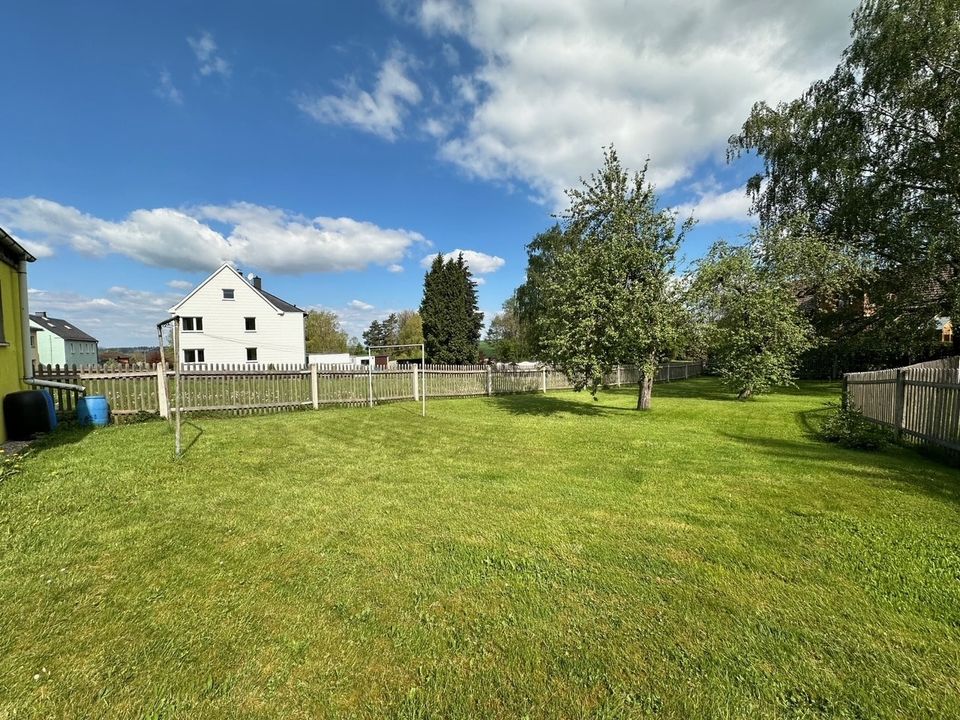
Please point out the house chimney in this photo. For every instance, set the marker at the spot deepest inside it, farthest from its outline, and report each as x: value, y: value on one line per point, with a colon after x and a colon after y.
x: 42, y: 314
x: 257, y: 282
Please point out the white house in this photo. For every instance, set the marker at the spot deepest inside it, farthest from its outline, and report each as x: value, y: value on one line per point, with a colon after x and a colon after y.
x: 58, y: 342
x: 230, y: 319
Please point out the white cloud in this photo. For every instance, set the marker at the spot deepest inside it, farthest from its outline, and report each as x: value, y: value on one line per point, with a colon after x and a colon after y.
x: 559, y: 80
x: 713, y: 206
x: 122, y: 316
x: 450, y: 55
x: 380, y: 112
x: 395, y: 268
x: 355, y: 319
x: 478, y: 262
x: 209, y: 62
x: 166, y: 90
x: 180, y: 284
x: 270, y: 239
x: 360, y: 305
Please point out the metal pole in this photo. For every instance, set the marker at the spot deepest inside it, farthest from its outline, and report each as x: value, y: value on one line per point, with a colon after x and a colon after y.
x: 423, y: 379
x: 179, y: 393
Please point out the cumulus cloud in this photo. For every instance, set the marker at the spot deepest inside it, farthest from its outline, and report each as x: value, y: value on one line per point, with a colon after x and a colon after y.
x: 166, y: 90
x: 121, y: 316
x: 557, y: 81
x: 180, y: 284
x: 395, y: 268
x: 360, y: 305
x: 208, y: 61
x: 381, y: 111
x: 479, y: 263
x: 714, y: 206
x: 270, y: 239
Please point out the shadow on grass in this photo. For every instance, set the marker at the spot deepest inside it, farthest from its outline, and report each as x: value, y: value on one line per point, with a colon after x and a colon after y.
x: 189, y: 434
x: 64, y: 435
x: 895, y: 464
x: 545, y: 405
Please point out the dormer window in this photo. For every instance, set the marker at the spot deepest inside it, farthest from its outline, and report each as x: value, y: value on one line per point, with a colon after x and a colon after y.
x: 228, y: 294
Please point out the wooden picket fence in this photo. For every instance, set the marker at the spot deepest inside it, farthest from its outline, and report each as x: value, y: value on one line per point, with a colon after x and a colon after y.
x: 920, y: 402
x: 246, y: 389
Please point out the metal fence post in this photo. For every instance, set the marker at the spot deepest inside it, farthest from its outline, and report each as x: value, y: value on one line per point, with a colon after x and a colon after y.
x: 544, y: 372
x: 489, y: 380
x: 416, y: 388
x: 370, y: 383
x: 314, y: 386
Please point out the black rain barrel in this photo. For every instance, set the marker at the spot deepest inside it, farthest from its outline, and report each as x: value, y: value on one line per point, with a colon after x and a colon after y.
x: 25, y: 414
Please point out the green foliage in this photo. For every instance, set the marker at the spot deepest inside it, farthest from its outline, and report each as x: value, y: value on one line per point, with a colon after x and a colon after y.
x: 848, y: 427
x: 869, y: 159
x: 450, y: 314
x: 755, y: 329
x: 605, y: 284
x: 507, y: 334
x: 323, y: 332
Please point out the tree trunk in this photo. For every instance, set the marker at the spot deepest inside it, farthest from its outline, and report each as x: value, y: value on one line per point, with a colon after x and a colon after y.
x: 745, y: 394
x: 645, y: 392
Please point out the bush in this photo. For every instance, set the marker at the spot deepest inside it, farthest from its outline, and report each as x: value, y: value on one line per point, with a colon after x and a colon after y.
x: 849, y: 428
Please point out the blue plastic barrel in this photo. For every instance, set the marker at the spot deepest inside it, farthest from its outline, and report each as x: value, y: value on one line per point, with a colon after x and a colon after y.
x: 93, y: 410
x: 51, y: 409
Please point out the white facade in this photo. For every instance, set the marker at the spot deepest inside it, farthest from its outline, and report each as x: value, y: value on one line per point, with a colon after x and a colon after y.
x: 228, y: 320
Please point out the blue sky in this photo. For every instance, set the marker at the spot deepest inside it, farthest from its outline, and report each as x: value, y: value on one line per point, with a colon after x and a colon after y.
x: 330, y: 147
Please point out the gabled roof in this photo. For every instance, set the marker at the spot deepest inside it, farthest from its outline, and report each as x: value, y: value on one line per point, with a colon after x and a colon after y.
x: 11, y: 251
x: 281, y: 306
x: 278, y: 303
x: 62, y: 328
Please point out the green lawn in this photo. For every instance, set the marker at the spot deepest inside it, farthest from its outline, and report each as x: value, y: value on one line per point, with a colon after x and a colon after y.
x: 541, y: 556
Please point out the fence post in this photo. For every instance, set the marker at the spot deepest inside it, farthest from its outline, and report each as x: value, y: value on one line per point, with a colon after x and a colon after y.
x: 162, y: 401
x: 370, y: 382
x: 899, y: 398
x: 619, y: 376
x: 686, y: 371
x: 314, y: 386
x: 416, y: 388
x: 489, y: 380
x: 543, y: 372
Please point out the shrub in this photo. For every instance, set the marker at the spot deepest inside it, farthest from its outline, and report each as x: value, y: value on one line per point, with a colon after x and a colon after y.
x: 849, y: 428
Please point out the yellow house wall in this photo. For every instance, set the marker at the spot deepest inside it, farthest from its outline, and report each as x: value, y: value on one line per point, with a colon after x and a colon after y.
x: 11, y: 354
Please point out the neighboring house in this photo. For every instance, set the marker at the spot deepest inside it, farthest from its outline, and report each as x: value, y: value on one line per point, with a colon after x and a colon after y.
x: 229, y: 319
x: 14, y: 327
x: 59, y: 342
x: 945, y: 328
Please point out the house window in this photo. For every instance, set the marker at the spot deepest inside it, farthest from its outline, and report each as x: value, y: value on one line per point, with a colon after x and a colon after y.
x: 250, y: 324
x: 191, y: 324
x: 251, y: 354
x: 227, y: 294
x: 191, y: 356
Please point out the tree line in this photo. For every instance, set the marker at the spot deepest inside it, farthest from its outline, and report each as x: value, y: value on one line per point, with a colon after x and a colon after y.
x: 854, y: 260
x: 448, y: 322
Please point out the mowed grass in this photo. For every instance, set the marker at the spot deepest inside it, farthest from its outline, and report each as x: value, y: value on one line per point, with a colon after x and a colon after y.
x: 522, y: 556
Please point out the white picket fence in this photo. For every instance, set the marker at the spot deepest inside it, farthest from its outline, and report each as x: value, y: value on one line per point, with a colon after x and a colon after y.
x: 920, y: 402
x: 246, y: 389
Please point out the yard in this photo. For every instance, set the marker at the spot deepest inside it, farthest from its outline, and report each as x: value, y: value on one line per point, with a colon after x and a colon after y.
x: 538, y: 555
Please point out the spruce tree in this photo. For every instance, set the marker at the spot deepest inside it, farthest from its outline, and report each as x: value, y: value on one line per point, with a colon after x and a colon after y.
x: 450, y: 312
